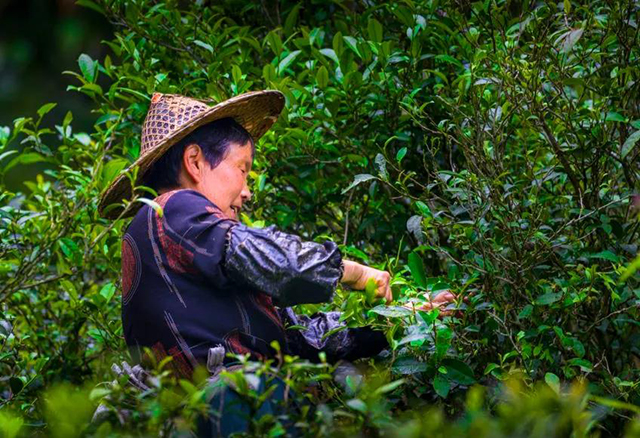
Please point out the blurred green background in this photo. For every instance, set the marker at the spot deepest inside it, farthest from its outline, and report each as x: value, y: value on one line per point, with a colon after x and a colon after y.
x: 39, y: 39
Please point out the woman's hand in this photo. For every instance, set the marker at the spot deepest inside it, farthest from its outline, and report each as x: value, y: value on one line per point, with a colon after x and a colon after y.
x: 356, y: 276
x: 440, y: 302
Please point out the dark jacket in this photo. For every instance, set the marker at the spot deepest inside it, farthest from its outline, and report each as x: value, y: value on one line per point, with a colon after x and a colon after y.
x: 193, y: 279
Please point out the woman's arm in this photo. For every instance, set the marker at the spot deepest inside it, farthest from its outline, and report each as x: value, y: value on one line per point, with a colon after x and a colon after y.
x: 293, y: 271
x: 290, y: 270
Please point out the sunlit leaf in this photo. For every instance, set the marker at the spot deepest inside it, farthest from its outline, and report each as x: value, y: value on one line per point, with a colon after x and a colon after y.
x: 358, y: 180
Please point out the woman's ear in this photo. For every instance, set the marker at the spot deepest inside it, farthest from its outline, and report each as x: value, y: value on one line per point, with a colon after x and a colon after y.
x: 192, y: 162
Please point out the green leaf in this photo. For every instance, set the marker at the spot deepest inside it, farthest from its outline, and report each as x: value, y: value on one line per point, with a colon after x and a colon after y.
x: 429, y: 316
x: 459, y: 371
x: 414, y: 337
x: 613, y: 116
x: 417, y: 270
x: 204, y: 45
x: 363, y: 177
x: 44, y: 109
x: 401, y: 153
x: 322, y: 77
x: 274, y: 41
x: 331, y: 54
x: 357, y: 405
x: 629, y: 144
x: 107, y: 291
x: 553, y: 381
x: 88, y: 67
x: 236, y: 73
x: 414, y: 226
x: 381, y: 163
x: 449, y: 59
x: 292, y: 18
x: 444, y: 335
x: 91, y: 5
x: 409, y: 365
x: 548, y: 298
x: 370, y: 290
x: 352, y: 43
x: 633, y: 267
x: 424, y: 209
x: 68, y: 247
x: 111, y: 170
x: 269, y: 72
x: 525, y: 312
x: 374, y: 30
x: 5, y: 133
x: 441, y: 385
x: 25, y: 158
x: 286, y: 62
x: 389, y: 387
x: 152, y: 204
x: 490, y: 367
x: 615, y: 404
x: 391, y: 311
x: 338, y: 45
x: 7, y: 154
x: 583, y: 364
x: 605, y: 255
x: 571, y: 39
x: 68, y: 118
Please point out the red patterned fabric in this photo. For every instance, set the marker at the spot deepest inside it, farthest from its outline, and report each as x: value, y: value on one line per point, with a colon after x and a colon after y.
x: 234, y: 345
x: 179, y: 258
x: 130, y: 268
x: 265, y: 304
x: 164, y: 198
x: 178, y: 363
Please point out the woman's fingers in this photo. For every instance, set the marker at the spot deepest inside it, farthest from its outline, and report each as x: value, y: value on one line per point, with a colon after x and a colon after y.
x: 389, y: 294
x: 440, y: 302
x: 444, y: 297
x: 430, y: 306
x: 383, y: 290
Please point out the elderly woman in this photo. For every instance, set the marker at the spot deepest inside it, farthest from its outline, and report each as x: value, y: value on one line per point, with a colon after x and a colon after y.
x: 197, y: 283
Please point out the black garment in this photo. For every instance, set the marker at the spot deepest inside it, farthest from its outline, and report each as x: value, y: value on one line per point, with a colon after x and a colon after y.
x: 194, y: 279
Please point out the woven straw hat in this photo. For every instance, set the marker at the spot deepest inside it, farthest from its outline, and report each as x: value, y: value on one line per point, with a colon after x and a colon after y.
x: 171, y: 117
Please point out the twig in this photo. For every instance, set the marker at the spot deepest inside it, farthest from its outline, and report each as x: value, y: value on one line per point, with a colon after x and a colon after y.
x: 346, y: 225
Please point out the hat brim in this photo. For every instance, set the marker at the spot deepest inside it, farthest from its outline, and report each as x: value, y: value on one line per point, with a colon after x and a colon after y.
x: 255, y: 111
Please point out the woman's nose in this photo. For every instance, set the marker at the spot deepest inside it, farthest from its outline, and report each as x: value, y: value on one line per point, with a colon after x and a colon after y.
x: 246, y: 193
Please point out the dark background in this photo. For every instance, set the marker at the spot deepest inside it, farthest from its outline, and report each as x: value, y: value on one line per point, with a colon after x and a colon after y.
x: 39, y: 39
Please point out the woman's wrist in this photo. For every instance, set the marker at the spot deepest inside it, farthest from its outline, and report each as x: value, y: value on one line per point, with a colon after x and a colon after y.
x: 352, y: 272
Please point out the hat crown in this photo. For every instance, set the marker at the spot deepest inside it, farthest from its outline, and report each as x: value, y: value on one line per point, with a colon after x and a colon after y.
x: 167, y: 114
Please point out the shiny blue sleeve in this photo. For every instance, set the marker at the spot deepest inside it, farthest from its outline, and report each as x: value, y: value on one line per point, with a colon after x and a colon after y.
x: 319, y: 333
x: 283, y: 266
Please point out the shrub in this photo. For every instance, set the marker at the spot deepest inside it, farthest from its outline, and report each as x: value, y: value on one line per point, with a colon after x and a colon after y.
x: 487, y: 148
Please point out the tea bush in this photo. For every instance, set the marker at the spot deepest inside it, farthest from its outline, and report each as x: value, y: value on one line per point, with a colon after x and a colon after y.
x: 488, y: 148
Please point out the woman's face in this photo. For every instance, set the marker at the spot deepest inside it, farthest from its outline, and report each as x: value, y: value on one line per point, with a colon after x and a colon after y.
x: 226, y: 184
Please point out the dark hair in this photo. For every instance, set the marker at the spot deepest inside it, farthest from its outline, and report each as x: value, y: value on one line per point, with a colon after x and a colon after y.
x: 213, y: 138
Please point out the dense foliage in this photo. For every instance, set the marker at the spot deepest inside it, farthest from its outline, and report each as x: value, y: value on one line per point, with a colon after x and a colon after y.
x: 488, y: 148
